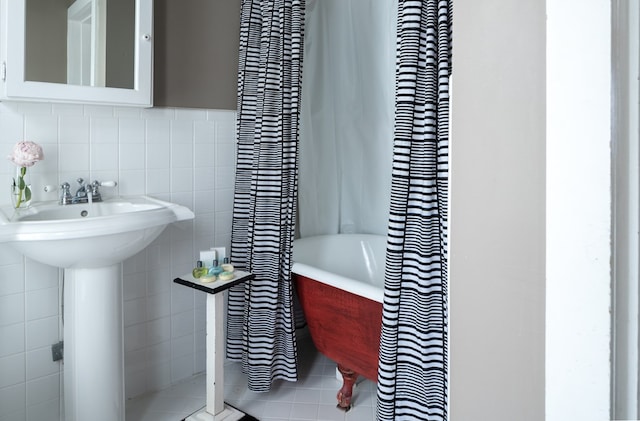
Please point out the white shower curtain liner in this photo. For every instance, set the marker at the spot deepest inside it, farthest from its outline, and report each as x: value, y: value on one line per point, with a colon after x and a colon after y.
x: 347, y: 114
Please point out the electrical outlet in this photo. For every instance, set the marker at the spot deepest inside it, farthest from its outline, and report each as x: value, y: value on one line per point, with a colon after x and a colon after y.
x: 57, y: 351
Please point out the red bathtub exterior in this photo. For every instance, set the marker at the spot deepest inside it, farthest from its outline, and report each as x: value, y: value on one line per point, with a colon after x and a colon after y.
x: 345, y: 327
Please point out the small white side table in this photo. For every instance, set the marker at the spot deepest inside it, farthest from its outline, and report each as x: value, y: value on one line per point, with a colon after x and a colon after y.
x: 216, y: 409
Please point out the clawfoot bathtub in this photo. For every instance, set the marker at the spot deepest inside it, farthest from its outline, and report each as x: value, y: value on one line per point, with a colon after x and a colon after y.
x: 339, y: 281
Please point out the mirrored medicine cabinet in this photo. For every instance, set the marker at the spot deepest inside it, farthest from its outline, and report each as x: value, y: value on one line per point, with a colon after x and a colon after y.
x: 77, y: 51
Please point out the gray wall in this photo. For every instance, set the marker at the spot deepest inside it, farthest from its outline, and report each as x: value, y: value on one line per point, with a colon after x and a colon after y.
x: 497, y: 253
x: 196, y: 53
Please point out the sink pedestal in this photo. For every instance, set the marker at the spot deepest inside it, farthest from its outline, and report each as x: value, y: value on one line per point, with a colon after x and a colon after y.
x: 90, y: 241
x: 93, y: 344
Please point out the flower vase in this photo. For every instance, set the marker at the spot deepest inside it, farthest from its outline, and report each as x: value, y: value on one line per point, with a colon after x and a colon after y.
x: 21, y: 189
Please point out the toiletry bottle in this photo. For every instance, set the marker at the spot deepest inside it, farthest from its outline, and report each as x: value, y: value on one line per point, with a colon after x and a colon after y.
x: 215, y: 270
x: 199, y: 270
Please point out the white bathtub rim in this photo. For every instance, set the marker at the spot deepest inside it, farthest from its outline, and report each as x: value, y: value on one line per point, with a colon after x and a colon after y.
x: 346, y: 284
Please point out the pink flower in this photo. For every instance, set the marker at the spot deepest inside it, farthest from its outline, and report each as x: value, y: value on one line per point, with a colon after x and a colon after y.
x: 26, y: 154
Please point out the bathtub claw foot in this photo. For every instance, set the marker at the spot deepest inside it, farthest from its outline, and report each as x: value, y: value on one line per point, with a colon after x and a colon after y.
x: 349, y: 378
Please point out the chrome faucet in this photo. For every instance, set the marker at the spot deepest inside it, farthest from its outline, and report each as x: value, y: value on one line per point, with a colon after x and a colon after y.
x: 85, y: 192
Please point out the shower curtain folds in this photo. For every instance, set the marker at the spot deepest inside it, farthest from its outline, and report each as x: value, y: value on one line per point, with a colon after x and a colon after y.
x: 260, y: 325
x: 412, y: 371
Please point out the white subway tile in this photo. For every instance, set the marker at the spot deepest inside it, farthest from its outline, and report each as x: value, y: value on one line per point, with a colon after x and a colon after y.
x: 204, y: 155
x: 43, y: 410
x: 158, y: 181
x: 182, y: 251
x: 159, y: 304
x: 11, y: 339
x: 159, y: 372
x: 134, y: 285
x: 47, y: 169
x: 40, y: 276
x: 184, y: 198
x: 104, y: 156
x: 74, y: 158
x: 204, y: 203
x: 42, y: 303
x: 41, y: 128
x: 11, y: 309
x: 135, y: 311
x: 190, y: 114
x: 182, y: 367
x: 40, y: 363
x: 182, y: 324
x: 158, y: 132
x: 224, y: 200
x: 43, y: 332
x: 132, y: 182
x: 200, y: 364
x: 182, y: 132
x: 181, y: 268
x: 12, y: 278
x: 223, y: 221
x: 159, y: 330
x: 181, y: 298
x: 12, y: 369
x: 12, y: 129
x: 182, y: 155
x: 135, y: 382
x: 135, y: 337
x: 158, y: 156
x: 182, y: 180
x: 68, y: 109
x: 200, y: 313
x: 104, y: 130
x: 204, y: 225
x: 224, y: 177
x: 135, y: 360
x: 97, y: 111
x: 132, y: 156
x: 158, y: 113
x: 74, y: 129
x: 127, y: 112
x: 225, y: 155
x: 205, y: 132
x: 28, y: 108
x: 9, y: 255
x: 204, y: 178
x: 131, y: 130
x: 43, y: 389
x: 159, y: 353
x: 13, y: 399
x: 226, y: 129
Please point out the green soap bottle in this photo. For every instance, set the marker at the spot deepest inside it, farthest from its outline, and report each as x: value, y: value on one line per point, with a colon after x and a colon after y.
x: 199, y: 270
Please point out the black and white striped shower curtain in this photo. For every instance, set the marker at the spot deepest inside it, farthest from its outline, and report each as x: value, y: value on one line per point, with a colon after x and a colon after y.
x: 260, y: 326
x: 412, y: 380
x: 412, y: 372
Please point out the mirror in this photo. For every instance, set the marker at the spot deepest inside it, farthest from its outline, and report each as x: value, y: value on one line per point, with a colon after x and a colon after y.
x: 80, y: 42
x: 89, y: 51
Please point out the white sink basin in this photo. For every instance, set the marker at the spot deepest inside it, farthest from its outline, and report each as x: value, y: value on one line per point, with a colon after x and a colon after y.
x: 88, y: 235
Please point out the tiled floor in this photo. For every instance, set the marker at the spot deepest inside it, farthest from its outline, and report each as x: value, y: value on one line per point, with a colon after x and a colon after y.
x: 313, y: 397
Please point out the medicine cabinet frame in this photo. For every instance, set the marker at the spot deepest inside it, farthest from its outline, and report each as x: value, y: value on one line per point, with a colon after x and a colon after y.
x: 15, y: 87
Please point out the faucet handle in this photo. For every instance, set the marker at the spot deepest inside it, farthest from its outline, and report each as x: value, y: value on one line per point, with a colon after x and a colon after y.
x: 65, y: 194
x: 95, y: 191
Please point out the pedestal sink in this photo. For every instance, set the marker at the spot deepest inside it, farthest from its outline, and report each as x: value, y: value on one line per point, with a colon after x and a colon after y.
x: 89, y: 241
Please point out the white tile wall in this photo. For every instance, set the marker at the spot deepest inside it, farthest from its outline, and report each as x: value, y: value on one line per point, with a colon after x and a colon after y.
x: 182, y: 155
